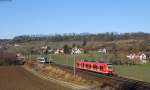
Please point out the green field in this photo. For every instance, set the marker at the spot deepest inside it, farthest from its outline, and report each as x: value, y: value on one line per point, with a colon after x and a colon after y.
x: 69, y: 59
x: 139, y: 72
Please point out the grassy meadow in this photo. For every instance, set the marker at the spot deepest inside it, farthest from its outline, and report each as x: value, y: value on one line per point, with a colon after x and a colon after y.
x: 139, y: 72
x: 69, y: 59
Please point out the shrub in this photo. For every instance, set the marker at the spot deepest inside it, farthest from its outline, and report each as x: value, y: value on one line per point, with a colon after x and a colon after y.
x: 86, y: 51
x: 8, y: 58
x: 66, y: 49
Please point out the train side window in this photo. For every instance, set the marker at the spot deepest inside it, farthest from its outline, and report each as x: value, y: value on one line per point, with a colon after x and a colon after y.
x: 77, y: 64
x: 89, y: 65
x: 86, y: 65
x: 82, y: 64
x: 95, y: 66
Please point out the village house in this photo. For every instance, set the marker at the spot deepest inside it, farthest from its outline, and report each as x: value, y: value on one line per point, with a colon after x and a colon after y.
x: 58, y: 51
x: 147, y: 55
x: 16, y: 45
x: 50, y: 51
x: 102, y: 50
x: 140, y: 55
x: 44, y: 47
x: 75, y: 50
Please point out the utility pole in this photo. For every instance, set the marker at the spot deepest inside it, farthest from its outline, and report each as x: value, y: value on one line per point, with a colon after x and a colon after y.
x: 74, y: 66
x: 66, y: 59
x: 49, y: 59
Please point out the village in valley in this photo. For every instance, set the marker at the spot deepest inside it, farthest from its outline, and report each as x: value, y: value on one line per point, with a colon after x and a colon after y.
x: 128, y: 51
x: 140, y: 55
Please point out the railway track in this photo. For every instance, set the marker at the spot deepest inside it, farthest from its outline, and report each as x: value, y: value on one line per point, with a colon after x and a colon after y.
x: 118, y: 82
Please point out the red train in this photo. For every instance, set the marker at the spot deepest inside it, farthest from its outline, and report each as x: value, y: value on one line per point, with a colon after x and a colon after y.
x: 100, y: 67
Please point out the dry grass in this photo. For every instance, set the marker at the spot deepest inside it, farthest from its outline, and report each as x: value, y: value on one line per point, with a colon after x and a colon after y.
x: 57, y: 73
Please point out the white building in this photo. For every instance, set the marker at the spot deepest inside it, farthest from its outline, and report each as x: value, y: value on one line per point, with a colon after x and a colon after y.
x: 58, y: 51
x: 141, y: 56
x: 16, y: 45
x: 102, y: 50
x: 75, y: 50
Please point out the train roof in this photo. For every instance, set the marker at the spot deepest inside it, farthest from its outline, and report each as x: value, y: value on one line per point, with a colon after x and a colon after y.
x: 87, y: 61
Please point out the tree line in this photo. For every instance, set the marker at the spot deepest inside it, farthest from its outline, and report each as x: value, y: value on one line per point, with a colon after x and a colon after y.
x: 108, y: 36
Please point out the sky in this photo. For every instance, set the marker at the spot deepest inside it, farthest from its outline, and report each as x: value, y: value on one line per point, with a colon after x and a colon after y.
x: 30, y: 17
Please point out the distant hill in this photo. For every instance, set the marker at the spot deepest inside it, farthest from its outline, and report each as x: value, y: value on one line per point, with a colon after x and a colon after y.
x: 124, y: 42
x: 83, y: 36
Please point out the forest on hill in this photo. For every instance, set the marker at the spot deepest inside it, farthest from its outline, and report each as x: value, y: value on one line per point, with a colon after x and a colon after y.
x: 82, y: 36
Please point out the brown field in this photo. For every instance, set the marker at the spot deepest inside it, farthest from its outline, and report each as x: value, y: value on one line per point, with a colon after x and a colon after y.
x: 17, y: 78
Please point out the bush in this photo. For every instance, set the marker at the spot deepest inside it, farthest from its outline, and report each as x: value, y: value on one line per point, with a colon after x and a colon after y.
x: 66, y: 49
x: 8, y: 58
x: 86, y: 51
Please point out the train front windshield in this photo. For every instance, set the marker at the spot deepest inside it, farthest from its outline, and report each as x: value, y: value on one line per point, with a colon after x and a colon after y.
x: 110, y: 67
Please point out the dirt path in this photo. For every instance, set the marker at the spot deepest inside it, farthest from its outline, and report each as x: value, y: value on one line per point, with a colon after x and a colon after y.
x: 17, y: 78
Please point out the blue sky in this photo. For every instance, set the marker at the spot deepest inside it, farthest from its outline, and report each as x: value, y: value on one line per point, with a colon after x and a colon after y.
x: 20, y: 17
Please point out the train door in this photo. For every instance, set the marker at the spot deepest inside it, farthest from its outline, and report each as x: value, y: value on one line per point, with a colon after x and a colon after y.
x: 86, y: 66
x: 82, y: 65
x: 90, y: 67
x: 101, y: 67
x: 95, y: 67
